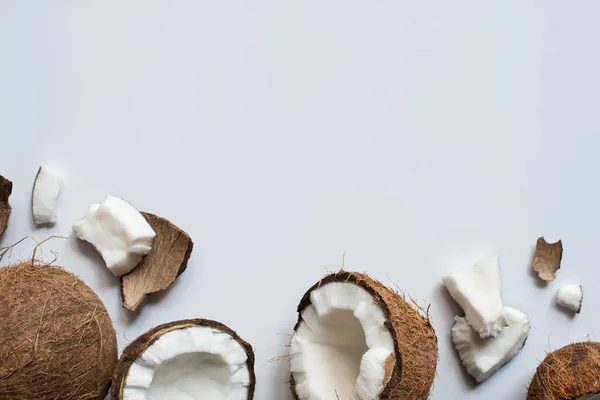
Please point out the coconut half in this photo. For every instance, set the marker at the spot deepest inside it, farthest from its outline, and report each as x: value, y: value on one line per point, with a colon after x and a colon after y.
x: 167, y: 260
x: 192, y: 359
x: 569, y: 373
x: 57, y: 340
x: 357, y: 339
x: 5, y: 209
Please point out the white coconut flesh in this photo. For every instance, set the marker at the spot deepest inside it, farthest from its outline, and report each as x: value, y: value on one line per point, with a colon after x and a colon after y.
x: 340, y: 346
x: 194, y: 363
x: 46, y: 190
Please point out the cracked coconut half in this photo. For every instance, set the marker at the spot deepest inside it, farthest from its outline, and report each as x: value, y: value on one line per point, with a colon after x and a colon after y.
x: 167, y: 260
x: 186, y: 360
x: 5, y: 209
x: 569, y: 373
x: 357, y: 339
x: 546, y: 259
x: 57, y: 340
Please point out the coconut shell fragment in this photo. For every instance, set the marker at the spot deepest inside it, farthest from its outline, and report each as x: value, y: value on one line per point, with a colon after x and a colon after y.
x: 546, y: 259
x: 167, y: 260
x: 567, y: 373
x: 57, y: 340
x: 5, y: 208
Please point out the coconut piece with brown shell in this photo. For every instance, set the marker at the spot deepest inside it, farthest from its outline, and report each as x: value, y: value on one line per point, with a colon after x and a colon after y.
x: 358, y: 339
x: 57, y: 340
x: 546, y: 259
x: 164, y: 263
x: 194, y: 358
x: 5, y: 208
x: 569, y: 373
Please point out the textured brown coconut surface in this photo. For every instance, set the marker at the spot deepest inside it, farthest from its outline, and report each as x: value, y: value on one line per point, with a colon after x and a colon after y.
x: 546, y: 259
x: 567, y: 373
x: 136, y: 348
x: 410, y: 370
x: 5, y: 209
x: 57, y: 340
x: 167, y: 260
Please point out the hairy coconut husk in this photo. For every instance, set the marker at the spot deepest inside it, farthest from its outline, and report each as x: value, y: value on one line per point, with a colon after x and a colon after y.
x: 136, y: 348
x: 567, y: 373
x: 167, y: 260
x: 546, y: 259
x: 410, y: 370
x: 57, y: 340
x: 5, y: 208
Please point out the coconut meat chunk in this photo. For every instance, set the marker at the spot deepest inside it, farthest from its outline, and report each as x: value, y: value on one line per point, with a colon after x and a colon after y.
x: 118, y: 231
x: 193, y: 363
x: 341, y: 345
x: 46, y: 190
x: 570, y: 296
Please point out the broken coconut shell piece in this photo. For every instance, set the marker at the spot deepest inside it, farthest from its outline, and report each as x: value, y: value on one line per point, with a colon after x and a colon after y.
x: 191, y: 359
x: 568, y: 373
x: 167, y: 260
x: 5, y: 209
x: 546, y: 259
x: 358, y: 339
x: 57, y: 340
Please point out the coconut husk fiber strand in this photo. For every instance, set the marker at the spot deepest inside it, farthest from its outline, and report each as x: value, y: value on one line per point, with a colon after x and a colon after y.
x: 136, y: 348
x: 167, y: 260
x: 5, y: 208
x: 410, y: 370
x: 567, y: 373
x: 57, y: 340
x: 546, y: 259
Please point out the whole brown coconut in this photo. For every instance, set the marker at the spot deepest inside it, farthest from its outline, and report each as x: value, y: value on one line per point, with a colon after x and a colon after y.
x: 567, y: 373
x: 56, y: 340
x: 410, y: 373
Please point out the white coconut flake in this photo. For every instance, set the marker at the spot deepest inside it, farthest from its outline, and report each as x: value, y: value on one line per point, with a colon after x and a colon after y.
x: 570, y: 296
x: 118, y: 231
x: 483, y: 357
x: 46, y: 190
x: 190, y: 364
x: 341, y: 345
x: 477, y: 291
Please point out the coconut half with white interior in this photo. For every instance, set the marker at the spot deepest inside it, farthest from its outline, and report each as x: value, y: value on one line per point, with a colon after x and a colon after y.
x: 358, y: 339
x: 193, y: 359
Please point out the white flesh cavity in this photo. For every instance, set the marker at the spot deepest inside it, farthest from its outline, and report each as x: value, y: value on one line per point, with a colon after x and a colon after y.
x: 341, y: 345
x: 477, y: 291
x: 118, y: 231
x: 195, y: 363
x: 483, y: 357
x: 570, y: 296
x: 45, y: 193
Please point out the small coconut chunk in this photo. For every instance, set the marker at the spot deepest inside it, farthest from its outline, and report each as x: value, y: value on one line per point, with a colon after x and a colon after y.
x: 5, y: 209
x: 570, y: 296
x: 483, y: 357
x: 546, y: 259
x: 46, y: 189
x: 118, y: 231
x: 167, y: 260
x: 477, y: 291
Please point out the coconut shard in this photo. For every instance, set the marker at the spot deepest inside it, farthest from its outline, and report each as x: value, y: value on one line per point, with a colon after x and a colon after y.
x: 57, y: 340
x: 192, y: 359
x: 167, y: 259
x: 358, y: 339
x: 5, y: 209
x: 547, y: 258
x: 569, y: 373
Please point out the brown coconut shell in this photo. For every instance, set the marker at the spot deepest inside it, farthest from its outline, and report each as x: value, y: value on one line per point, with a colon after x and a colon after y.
x: 57, y: 340
x: 167, y: 260
x: 136, y: 348
x: 5, y: 208
x: 410, y: 370
x: 567, y: 373
x: 546, y: 259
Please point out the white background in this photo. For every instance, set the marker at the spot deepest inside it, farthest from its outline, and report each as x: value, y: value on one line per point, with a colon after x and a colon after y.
x: 418, y: 137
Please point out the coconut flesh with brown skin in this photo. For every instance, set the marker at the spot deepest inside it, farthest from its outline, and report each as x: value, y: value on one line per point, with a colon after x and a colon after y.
x: 167, y: 260
x: 569, y: 373
x: 57, y: 340
x: 358, y: 339
x: 186, y: 360
x: 5, y: 209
